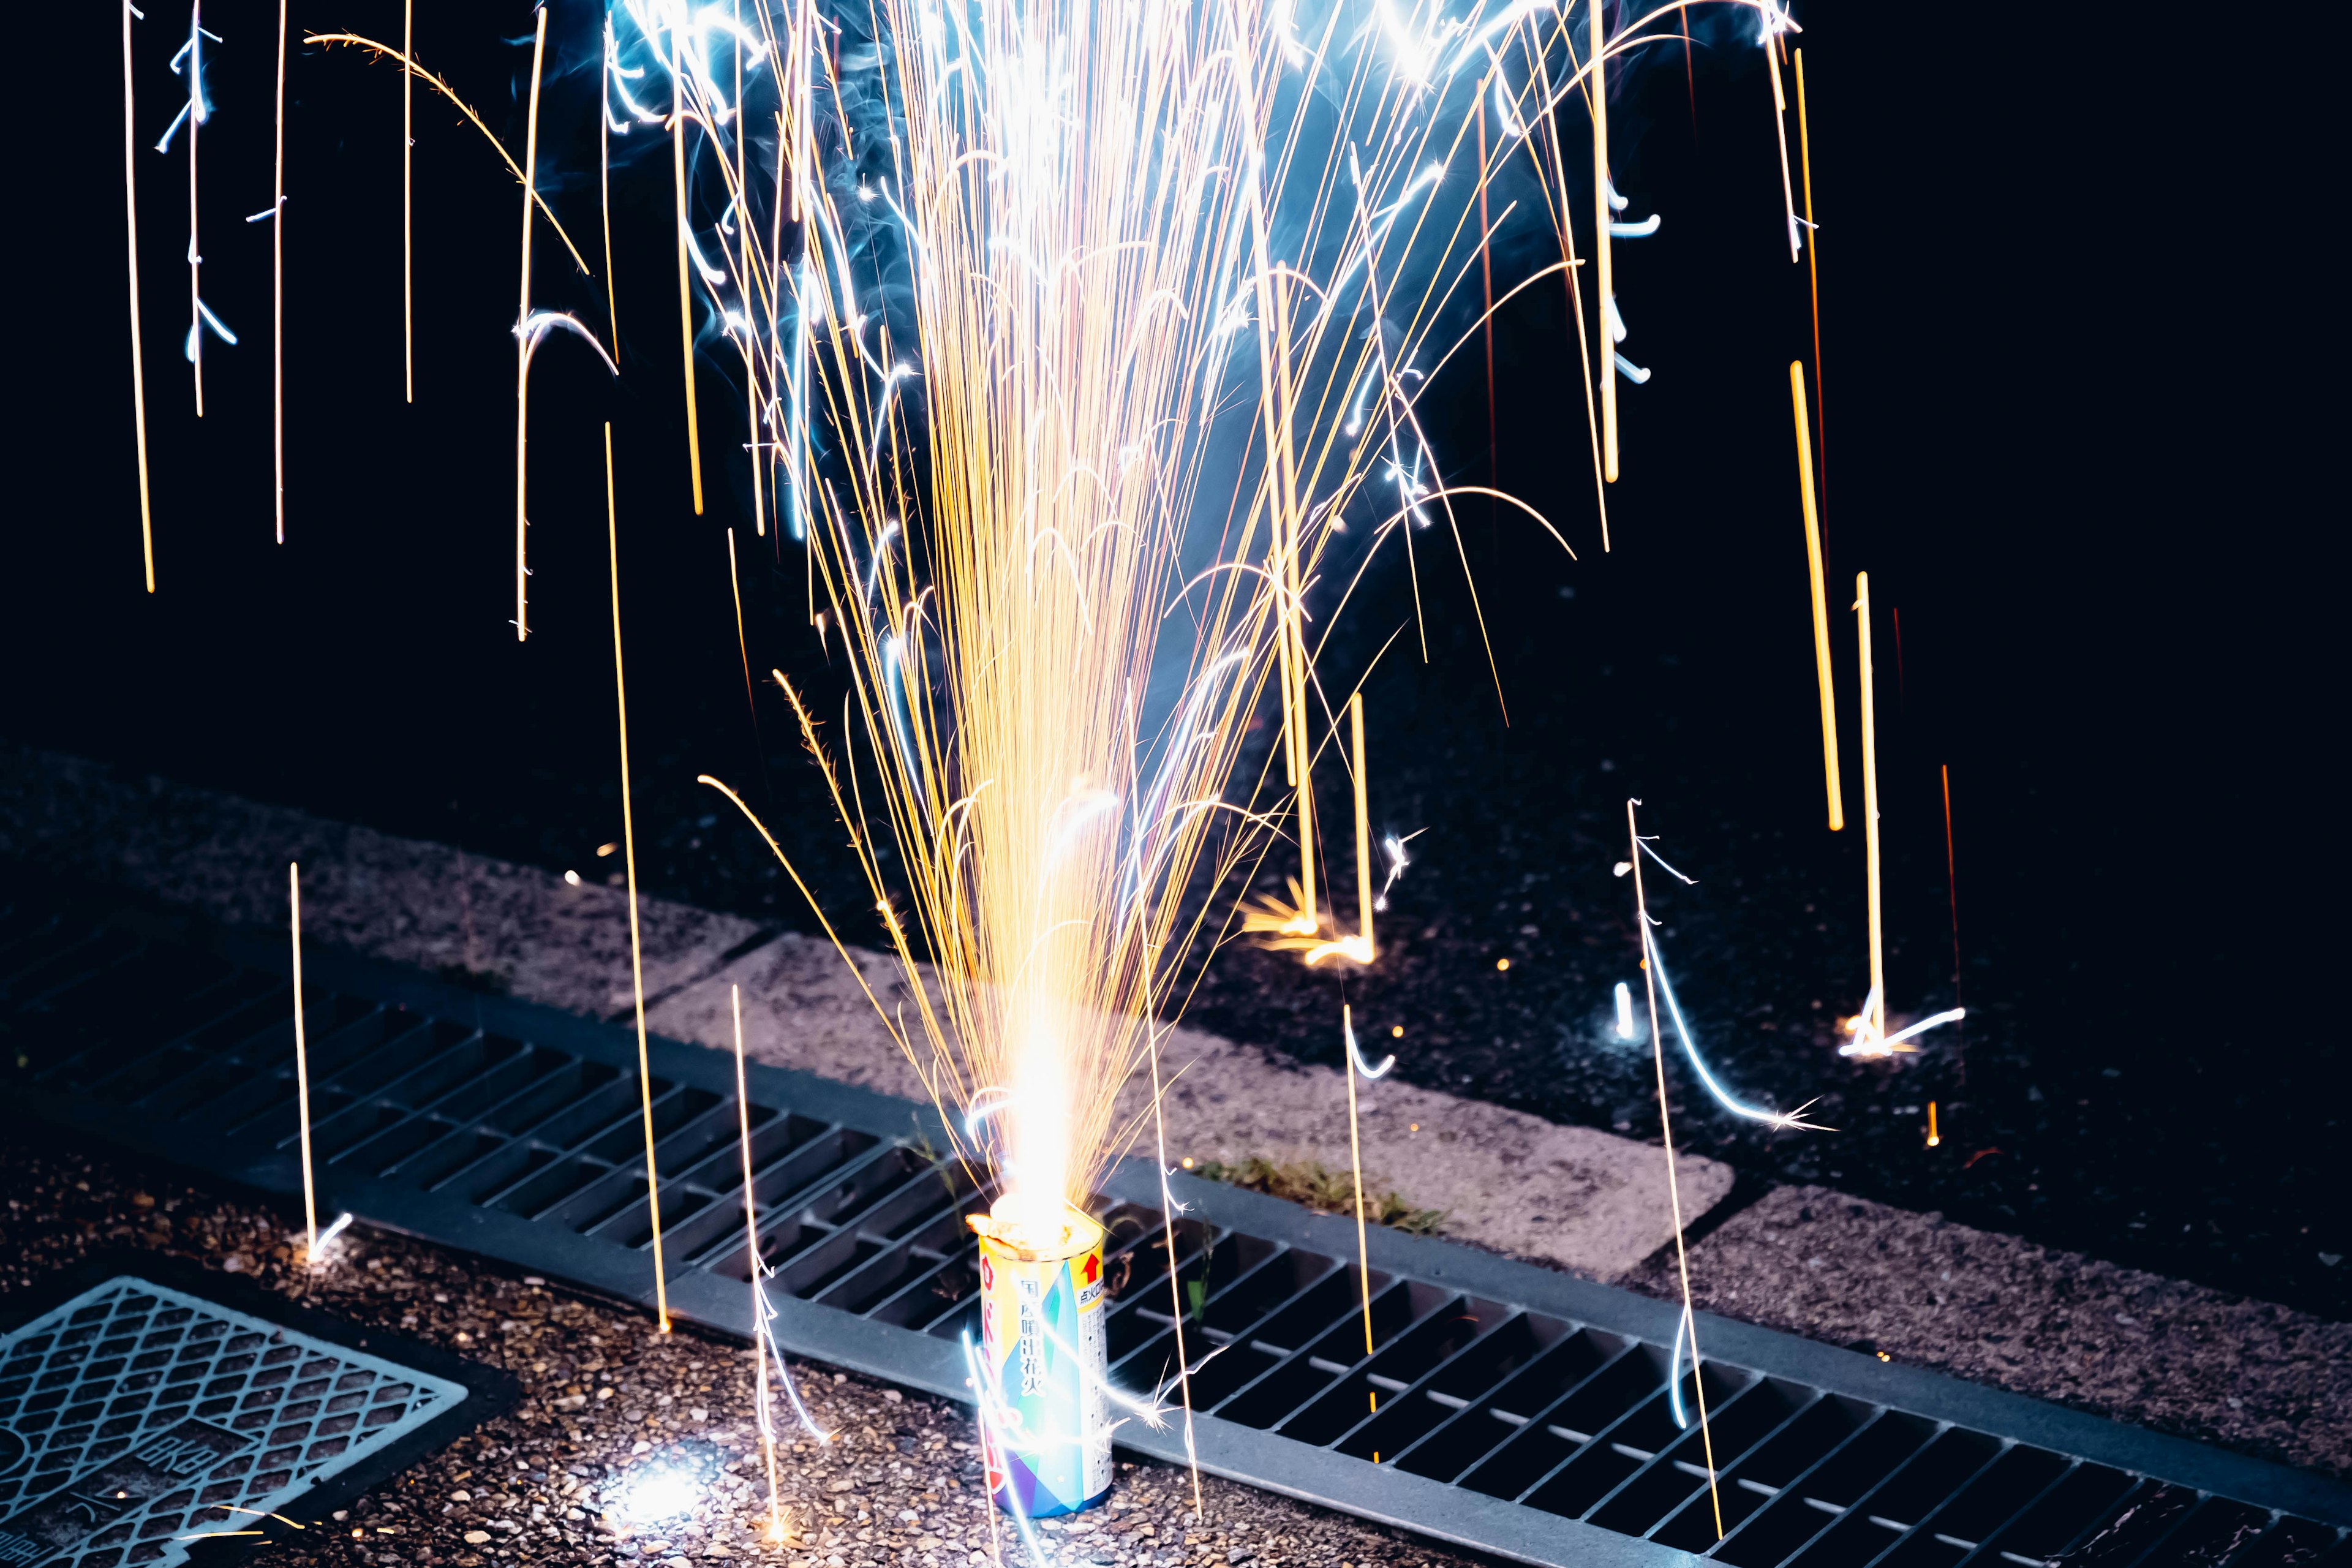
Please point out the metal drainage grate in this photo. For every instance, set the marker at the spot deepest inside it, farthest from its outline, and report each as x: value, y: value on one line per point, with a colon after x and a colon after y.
x: 1509, y: 1409
x: 139, y: 1416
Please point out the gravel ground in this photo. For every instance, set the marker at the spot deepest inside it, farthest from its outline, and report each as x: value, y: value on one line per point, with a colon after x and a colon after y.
x: 607, y: 1403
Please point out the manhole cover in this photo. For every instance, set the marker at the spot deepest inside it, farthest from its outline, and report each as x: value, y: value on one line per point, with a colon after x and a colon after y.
x: 138, y: 1417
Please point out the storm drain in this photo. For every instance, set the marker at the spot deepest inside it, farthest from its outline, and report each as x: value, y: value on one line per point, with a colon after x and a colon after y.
x: 138, y: 1418
x: 1508, y: 1408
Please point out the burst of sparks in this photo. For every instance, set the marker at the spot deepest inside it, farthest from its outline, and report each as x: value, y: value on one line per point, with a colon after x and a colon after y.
x: 1053, y: 330
x: 1870, y: 1044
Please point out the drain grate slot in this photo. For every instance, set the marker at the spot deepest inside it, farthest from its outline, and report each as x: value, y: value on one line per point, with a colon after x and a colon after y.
x: 1503, y: 1407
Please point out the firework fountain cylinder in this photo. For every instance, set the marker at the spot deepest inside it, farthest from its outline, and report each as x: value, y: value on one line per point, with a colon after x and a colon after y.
x: 1045, y: 1426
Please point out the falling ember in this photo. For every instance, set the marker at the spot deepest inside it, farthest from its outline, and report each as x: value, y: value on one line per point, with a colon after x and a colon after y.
x: 1359, y: 948
x: 742, y: 651
x: 301, y: 1065
x: 1813, y: 280
x: 138, y: 358
x: 193, y: 114
x: 262, y: 1513
x: 1934, y: 1137
x: 760, y: 457
x: 1368, y: 949
x: 1868, y: 1026
x: 1486, y: 293
x: 776, y: 1530
x: 1952, y: 885
x: 409, y: 66
x: 1673, y: 1188
x: 1175, y: 1287
x: 1293, y: 657
x: 1393, y: 846
x: 317, y: 1252
x: 278, y: 283
x: 1597, y: 90
x: 1780, y: 1121
x: 604, y: 182
x: 1564, y: 231
x: 1348, y: 1070
x: 407, y: 203
x: 1821, y: 596
x: 1774, y: 21
x: 629, y: 861
x: 1873, y: 1011
x: 685, y: 292
x: 1894, y: 616
x: 522, y: 362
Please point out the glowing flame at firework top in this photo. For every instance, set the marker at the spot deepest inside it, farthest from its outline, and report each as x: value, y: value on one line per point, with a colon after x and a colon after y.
x: 1073, y: 329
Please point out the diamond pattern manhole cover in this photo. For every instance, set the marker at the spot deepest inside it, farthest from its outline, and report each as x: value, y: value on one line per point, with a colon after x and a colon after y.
x: 137, y: 1416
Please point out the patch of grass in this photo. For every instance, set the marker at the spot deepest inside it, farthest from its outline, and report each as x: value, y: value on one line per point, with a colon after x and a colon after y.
x: 1324, y: 1190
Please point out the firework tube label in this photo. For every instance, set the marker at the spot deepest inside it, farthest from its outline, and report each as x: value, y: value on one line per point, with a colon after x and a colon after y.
x: 1041, y: 1334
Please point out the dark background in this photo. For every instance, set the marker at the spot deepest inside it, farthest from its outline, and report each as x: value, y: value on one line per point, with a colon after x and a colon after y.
x: 2071, y: 432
